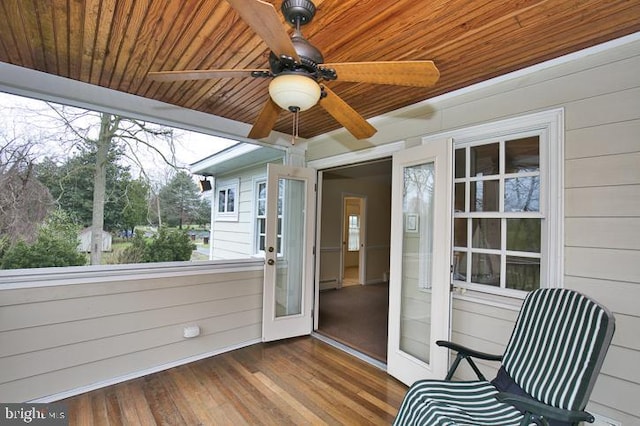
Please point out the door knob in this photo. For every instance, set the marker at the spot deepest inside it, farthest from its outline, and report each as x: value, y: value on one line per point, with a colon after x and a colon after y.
x: 270, y: 262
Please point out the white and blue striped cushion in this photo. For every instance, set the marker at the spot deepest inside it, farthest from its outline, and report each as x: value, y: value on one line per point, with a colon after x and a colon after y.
x: 434, y: 402
x: 556, y: 345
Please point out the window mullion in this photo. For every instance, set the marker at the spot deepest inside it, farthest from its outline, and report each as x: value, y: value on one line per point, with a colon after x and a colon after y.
x: 503, y: 253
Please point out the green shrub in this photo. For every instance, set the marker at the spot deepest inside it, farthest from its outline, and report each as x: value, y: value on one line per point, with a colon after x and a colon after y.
x: 56, y: 245
x: 169, y: 246
x: 165, y: 246
x: 135, y: 253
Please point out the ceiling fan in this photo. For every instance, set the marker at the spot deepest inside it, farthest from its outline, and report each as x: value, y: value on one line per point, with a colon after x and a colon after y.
x: 297, y: 70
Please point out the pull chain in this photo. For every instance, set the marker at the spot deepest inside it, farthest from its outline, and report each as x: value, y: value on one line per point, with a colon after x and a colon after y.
x: 296, y: 125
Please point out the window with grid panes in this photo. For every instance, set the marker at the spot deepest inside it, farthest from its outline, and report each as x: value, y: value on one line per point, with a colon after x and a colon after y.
x: 354, y: 233
x: 498, y: 220
x: 226, y: 209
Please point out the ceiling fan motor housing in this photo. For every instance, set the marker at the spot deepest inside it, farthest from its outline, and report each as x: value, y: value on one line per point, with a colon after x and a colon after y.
x: 298, y: 12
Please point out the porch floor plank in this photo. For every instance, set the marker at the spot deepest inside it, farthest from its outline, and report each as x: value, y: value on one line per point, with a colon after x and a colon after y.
x: 291, y: 382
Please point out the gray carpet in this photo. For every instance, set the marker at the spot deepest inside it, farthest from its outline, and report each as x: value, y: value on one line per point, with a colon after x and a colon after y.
x: 357, y: 316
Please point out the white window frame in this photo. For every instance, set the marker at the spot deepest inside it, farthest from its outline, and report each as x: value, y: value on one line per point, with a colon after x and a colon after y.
x: 549, y: 125
x: 226, y: 186
x: 257, y: 216
x: 256, y: 228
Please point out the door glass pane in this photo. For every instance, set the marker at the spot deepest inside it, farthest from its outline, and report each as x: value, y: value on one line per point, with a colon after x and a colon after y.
x: 291, y: 237
x: 415, y: 304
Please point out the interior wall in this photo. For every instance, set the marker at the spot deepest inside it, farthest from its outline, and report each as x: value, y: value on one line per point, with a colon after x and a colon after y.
x: 600, y: 94
x: 378, y: 227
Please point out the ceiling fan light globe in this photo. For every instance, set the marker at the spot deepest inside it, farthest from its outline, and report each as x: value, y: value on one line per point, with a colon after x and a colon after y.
x: 294, y: 91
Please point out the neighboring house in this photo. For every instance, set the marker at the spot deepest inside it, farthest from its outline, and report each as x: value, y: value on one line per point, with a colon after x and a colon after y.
x: 85, y: 241
x: 580, y: 113
x: 239, y: 175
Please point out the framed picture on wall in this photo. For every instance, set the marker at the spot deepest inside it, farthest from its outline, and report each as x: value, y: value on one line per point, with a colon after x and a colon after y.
x: 411, y: 222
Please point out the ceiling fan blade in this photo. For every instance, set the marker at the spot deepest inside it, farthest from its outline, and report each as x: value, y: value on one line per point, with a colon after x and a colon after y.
x: 202, y: 74
x: 266, y: 120
x: 399, y: 73
x: 347, y: 116
x: 263, y: 18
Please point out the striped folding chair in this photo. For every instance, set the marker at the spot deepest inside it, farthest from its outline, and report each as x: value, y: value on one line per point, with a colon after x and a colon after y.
x: 548, y: 370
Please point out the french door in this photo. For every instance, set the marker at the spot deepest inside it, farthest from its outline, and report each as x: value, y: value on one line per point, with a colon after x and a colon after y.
x: 419, y: 296
x: 288, y: 273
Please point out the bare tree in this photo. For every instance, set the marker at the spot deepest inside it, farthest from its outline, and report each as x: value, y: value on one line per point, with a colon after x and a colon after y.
x: 102, y: 132
x: 24, y: 201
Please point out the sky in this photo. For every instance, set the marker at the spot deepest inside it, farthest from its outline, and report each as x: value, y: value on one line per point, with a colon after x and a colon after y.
x: 190, y: 147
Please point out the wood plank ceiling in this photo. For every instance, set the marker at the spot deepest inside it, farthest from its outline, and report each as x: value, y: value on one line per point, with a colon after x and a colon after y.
x: 114, y: 43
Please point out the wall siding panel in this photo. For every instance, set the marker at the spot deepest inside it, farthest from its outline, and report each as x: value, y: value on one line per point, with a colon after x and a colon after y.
x: 603, y: 232
x: 609, y: 201
x: 609, y: 139
x: 606, y: 264
x: 617, y: 296
x: 607, y: 170
x: 613, y: 392
x: 57, y: 338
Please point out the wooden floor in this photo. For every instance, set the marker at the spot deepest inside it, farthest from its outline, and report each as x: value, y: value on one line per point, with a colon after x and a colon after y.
x: 296, y: 381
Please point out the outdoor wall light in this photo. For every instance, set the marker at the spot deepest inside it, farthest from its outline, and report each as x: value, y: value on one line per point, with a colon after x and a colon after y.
x: 205, y: 185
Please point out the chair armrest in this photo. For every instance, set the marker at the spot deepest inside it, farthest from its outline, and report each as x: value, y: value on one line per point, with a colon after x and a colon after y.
x: 543, y: 411
x: 468, y: 352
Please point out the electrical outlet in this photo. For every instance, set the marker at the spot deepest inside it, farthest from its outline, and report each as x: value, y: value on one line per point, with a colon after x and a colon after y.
x: 191, y: 331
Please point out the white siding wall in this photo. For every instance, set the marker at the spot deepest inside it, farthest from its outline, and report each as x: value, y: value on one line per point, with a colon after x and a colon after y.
x: 235, y: 239
x: 73, y: 333
x: 600, y: 94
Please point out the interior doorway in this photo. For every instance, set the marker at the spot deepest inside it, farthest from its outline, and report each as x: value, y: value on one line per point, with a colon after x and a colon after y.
x: 355, y: 229
x: 353, y: 240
